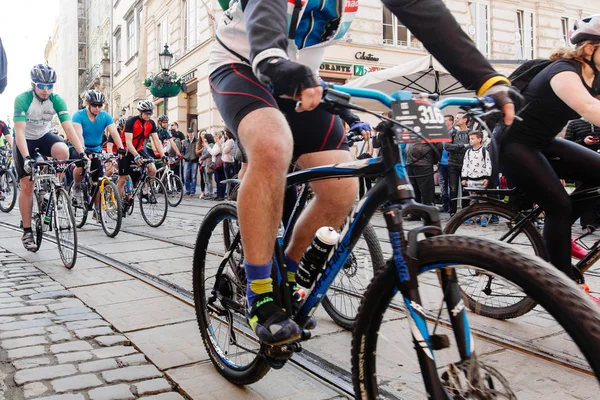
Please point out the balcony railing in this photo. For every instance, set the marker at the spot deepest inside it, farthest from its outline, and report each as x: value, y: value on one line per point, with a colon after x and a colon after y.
x: 88, y: 77
x: 404, y: 44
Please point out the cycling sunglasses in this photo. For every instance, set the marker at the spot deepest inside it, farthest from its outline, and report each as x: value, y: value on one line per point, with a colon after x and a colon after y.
x: 44, y: 86
x: 100, y: 105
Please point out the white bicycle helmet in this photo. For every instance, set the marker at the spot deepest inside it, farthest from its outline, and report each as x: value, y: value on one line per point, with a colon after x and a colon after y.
x: 586, y: 29
x: 145, y: 106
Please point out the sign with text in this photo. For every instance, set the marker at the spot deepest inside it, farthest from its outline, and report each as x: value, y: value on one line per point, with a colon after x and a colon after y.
x: 344, y: 69
x: 422, y: 117
x: 362, y: 70
x: 189, y: 76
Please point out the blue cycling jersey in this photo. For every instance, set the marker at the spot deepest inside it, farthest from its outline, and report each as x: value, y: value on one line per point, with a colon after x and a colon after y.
x: 92, y: 131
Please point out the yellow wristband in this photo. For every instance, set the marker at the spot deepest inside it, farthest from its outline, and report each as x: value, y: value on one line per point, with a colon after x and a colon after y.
x: 491, y: 82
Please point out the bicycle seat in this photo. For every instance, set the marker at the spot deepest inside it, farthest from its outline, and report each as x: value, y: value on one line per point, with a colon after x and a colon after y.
x: 481, y: 191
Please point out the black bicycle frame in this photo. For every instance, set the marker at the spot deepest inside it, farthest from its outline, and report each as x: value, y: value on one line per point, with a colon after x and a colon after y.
x: 395, y: 190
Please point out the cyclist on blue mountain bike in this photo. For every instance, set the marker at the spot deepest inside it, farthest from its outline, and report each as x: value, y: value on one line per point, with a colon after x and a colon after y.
x: 531, y: 155
x: 259, y: 68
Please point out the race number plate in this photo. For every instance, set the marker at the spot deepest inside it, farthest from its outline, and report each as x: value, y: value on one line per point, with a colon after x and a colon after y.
x: 423, y: 117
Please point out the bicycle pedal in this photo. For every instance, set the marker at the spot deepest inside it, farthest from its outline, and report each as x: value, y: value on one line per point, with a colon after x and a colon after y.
x: 439, y: 342
x: 283, y: 352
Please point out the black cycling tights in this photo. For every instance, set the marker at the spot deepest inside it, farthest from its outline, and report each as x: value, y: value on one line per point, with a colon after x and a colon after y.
x: 537, y: 173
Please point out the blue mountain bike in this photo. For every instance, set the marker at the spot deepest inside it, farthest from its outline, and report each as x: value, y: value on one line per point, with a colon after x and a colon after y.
x: 219, y: 278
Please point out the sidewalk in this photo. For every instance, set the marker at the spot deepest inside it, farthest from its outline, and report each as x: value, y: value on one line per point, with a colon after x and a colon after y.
x: 56, y: 348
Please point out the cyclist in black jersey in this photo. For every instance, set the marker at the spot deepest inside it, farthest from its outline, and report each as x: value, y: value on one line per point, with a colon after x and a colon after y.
x: 249, y: 79
x: 531, y: 155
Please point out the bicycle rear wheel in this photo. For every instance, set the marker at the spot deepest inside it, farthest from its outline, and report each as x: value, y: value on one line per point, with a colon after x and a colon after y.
x: 153, y: 202
x: 220, y: 300
x: 174, y: 186
x: 8, y: 191
x: 378, y: 359
x: 345, y: 294
x: 485, y: 294
x: 110, y: 208
x: 64, y: 228
x: 80, y: 210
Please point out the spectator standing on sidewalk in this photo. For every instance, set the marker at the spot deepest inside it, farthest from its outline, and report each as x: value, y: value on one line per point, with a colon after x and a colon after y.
x: 456, y: 155
x: 190, y: 168
x: 218, y: 164
x: 178, y: 138
x: 227, y: 156
x: 420, y: 159
x: 443, y: 168
x: 199, y: 150
x: 207, y: 165
x: 477, y: 167
x: 588, y: 135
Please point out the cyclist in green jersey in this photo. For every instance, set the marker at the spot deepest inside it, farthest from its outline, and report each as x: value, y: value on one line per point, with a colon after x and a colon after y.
x: 34, y: 110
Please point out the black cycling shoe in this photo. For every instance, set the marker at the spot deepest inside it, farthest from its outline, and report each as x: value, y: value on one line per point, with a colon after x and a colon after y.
x: 270, y: 323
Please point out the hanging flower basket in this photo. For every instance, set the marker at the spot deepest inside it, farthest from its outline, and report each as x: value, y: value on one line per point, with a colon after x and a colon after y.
x: 165, y: 84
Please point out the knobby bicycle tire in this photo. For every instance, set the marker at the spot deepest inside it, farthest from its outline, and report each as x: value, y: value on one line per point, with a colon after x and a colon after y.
x: 568, y: 304
x: 496, y: 311
x: 256, y: 367
x: 156, y: 189
x: 8, y: 188
x: 36, y: 222
x: 65, y: 224
x: 117, y: 209
x: 377, y: 261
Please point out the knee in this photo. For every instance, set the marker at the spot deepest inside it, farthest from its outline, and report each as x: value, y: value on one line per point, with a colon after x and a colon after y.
x: 26, y: 186
x: 60, y: 151
x: 338, y: 195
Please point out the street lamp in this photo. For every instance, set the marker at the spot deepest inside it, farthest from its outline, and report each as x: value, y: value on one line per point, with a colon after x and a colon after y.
x: 165, y: 58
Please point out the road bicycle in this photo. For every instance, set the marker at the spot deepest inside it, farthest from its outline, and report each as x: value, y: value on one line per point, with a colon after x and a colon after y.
x: 83, y: 199
x: 517, y: 224
x: 172, y: 183
x: 52, y: 209
x: 151, y: 194
x: 8, y: 182
x: 219, y: 290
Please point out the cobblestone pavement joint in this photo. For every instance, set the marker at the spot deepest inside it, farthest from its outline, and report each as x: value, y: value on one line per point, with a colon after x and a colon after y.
x: 53, y: 347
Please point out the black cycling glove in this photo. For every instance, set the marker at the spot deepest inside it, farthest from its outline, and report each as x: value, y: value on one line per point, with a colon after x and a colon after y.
x: 285, y: 77
x: 504, y: 94
x: 121, y: 151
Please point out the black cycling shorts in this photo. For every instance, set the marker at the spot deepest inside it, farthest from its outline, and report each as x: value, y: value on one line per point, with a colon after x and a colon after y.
x: 237, y: 93
x: 44, y: 144
x: 125, y: 163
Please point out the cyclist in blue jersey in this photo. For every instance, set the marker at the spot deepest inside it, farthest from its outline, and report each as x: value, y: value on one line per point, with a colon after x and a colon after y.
x: 265, y: 59
x: 34, y: 110
x: 90, y: 124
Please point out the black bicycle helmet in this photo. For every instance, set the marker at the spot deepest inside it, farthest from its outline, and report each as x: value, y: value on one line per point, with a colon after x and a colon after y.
x: 43, y: 73
x: 163, y: 118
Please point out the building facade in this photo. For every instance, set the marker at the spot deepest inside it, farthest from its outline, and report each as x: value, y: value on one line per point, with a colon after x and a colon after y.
x: 504, y: 30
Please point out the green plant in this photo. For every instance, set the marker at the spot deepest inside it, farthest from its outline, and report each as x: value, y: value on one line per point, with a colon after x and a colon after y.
x: 164, y: 78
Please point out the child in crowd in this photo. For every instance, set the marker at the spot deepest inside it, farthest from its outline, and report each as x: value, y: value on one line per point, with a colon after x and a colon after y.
x: 477, y: 167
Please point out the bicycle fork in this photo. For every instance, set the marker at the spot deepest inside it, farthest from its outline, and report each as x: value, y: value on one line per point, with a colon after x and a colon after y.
x: 407, y: 283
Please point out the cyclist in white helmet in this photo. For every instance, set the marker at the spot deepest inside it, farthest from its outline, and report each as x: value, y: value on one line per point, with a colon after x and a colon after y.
x: 531, y: 155
x: 34, y: 110
x: 138, y: 129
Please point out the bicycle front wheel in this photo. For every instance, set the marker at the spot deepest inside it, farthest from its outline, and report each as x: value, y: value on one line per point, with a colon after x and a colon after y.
x: 80, y: 210
x: 153, y: 202
x: 219, y: 281
x: 345, y: 294
x: 380, y: 351
x: 174, y: 186
x: 8, y: 191
x: 484, y: 294
x: 36, y: 223
x: 110, y: 209
x: 64, y: 228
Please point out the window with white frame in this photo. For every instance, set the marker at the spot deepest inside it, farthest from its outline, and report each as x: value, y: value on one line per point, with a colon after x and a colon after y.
x: 118, y: 51
x: 397, y: 34
x: 162, y: 34
x: 525, y: 36
x: 138, y: 21
x: 567, y: 26
x: 192, y: 28
x: 479, y: 26
x: 131, y: 36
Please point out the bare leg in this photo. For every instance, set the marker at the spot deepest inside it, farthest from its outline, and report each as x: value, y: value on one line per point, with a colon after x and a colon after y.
x: 268, y: 143
x: 330, y: 206
x: 26, y: 201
